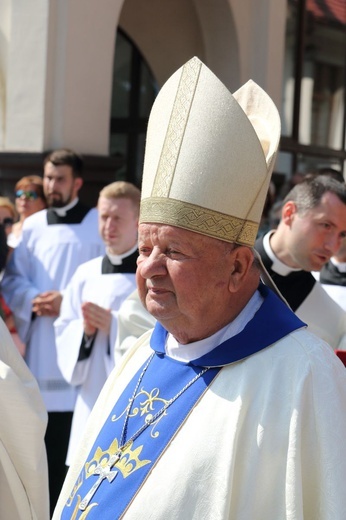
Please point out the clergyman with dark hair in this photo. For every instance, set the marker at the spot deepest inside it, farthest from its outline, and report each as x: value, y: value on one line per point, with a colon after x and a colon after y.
x: 311, y: 229
x: 55, y: 241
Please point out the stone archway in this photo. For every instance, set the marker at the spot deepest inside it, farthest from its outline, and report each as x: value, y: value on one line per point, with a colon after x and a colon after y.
x: 168, y: 33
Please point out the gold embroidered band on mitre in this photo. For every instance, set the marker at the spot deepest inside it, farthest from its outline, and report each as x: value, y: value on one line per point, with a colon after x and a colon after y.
x: 205, y: 166
x: 176, y: 128
x: 198, y: 219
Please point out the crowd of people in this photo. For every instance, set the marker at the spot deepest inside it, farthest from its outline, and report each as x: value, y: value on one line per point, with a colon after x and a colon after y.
x: 179, y: 362
x: 62, y: 253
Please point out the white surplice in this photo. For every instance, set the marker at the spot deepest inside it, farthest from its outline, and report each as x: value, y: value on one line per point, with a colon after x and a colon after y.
x: 90, y: 374
x: 133, y: 321
x: 46, y: 259
x: 323, y: 315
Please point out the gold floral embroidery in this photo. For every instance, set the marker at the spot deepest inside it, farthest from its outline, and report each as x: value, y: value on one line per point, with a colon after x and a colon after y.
x: 145, y: 407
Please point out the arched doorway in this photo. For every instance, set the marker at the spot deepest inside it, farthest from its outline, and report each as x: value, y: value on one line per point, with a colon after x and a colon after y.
x: 133, y: 93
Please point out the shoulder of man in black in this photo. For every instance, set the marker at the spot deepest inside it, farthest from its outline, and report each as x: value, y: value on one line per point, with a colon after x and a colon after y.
x: 73, y: 216
x: 295, y: 287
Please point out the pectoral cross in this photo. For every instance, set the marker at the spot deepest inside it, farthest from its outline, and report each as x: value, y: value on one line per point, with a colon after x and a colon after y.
x: 104, y: 472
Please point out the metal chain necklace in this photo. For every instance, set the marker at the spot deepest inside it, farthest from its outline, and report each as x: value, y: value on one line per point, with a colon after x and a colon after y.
x: 105, y: 472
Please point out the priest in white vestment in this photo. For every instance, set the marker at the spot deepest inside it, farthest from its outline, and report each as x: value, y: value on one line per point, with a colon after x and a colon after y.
x: 87, y: 327
x: 229, y: 409
x: 55, y: 241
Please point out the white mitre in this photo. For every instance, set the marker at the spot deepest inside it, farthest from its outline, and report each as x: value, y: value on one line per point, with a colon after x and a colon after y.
x: 209, y: 155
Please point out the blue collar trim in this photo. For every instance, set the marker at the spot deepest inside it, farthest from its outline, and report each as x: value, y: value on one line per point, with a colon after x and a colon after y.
x: 272, y: 321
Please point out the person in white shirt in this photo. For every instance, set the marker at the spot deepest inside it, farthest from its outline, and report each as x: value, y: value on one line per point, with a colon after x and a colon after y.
x: 55, y: 241
x: 87, y: 327
x: 333, y: 276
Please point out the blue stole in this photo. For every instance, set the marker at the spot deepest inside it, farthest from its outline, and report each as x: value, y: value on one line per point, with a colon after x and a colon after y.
x: 163, y: 380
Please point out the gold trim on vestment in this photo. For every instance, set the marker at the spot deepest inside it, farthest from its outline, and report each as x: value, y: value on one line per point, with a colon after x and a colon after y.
x: 200, y: 220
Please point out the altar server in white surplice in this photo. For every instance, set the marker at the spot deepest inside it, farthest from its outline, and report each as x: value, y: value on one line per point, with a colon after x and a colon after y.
x: 229, y: 409
x: 23, y: 461
x: 133, y: 321
x: 333, y: 280
x: 54, y: 243
x: 86, y: 329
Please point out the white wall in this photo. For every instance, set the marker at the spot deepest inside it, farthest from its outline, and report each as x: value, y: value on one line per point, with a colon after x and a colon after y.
x: 79, y: 74
x: 5, y: 18
x: 56, y: 59
x: 56, y: 64
x: 260, y: 27
x: 24, y: 75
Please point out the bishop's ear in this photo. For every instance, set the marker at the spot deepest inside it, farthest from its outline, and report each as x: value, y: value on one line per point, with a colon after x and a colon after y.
x: 243, y: 259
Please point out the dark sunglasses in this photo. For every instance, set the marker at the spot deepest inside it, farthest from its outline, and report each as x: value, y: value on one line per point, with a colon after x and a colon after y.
x: 31, y: 195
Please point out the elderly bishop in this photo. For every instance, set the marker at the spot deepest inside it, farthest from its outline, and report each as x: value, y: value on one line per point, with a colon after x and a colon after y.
x: 229, y: 409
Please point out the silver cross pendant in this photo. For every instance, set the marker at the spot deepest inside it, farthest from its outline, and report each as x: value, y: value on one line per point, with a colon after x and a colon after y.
x: 104, y: 472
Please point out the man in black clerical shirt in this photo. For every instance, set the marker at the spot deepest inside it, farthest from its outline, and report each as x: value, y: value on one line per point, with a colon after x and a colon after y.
x: 86, y: 329
x: 55, y: 241
x: 311, y: 229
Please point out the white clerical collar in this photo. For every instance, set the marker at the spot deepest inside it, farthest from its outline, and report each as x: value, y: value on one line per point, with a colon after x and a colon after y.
x: 341, y: 266
x: 118, y: 259
x: 62, y: 211
x: 278, y: 266
x: 195, y: 350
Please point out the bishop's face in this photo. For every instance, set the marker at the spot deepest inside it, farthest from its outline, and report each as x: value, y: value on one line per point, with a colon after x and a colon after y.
x: 59, y: 185
x: 182, y: 279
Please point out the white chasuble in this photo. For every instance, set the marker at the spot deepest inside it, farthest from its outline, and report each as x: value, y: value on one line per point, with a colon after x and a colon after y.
x: 263, y: 441
x: 23, y: 462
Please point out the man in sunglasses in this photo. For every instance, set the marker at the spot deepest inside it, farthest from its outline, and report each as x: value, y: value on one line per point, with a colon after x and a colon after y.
x: 55, y: 241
